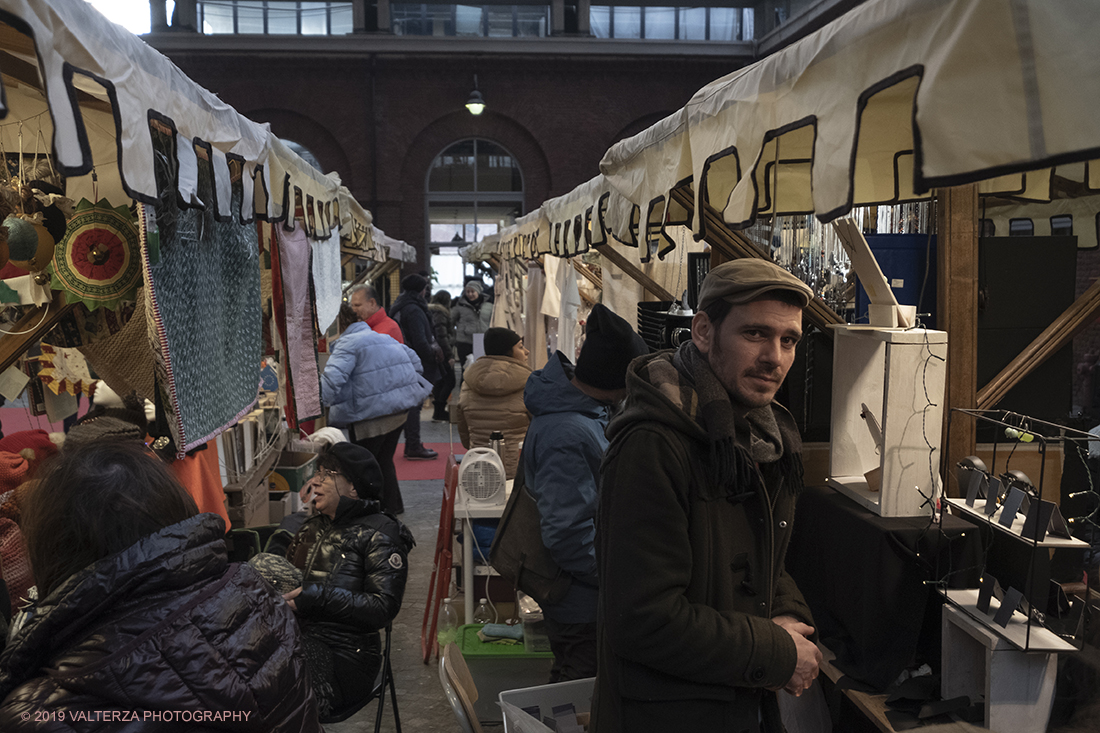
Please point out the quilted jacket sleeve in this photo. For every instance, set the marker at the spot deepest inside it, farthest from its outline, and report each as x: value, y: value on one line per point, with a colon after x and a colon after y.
x: 335, y: 381
x: 381, y: 567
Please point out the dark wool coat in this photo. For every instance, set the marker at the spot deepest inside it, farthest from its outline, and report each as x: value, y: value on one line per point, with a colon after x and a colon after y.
x: 165, y: 626
x: 354, y: 567
x: 691, y: 572
x: 410, y: 310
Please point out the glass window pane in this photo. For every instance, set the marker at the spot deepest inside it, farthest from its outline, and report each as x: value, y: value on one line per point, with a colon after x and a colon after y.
x: 453, y: 170
x: 499, y: 21
x: 496, y: 170
x: 660, y: 23
x: 1061, y: 226
x: 628, y: 22
x: 282, y: 18
x: 1021, y: 228
x: 216, y: 18
x: 693, y: 24
x: 449, y: 270
x: 409, y: 19
x: 748, y: 31
x: 315, y: 18
x: 532, y: 20
x: 725, y: 24
x: 468, y: 20
x: 341, y: 19
x: 250, y: 16
x: 599, y: 20
x: 441, y: 20
x: 451, y: 223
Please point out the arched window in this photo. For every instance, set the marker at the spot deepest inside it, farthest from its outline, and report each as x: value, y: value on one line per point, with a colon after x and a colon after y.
x: 474, y: 188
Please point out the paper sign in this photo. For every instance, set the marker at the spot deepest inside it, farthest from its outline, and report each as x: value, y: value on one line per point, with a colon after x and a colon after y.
x: 974, y: 486
x: 985, y: 592
x: 1008, y: 606
x: 1038, y: 520
x: 12, y: 383
x: 1011, y: 506
x: 992, y: 494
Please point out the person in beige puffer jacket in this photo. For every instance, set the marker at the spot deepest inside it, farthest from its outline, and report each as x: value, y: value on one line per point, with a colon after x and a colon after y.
x: 492, y: 396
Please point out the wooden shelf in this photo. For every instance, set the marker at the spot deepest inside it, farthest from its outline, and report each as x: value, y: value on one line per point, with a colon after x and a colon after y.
x: 1017, y: 633
x: 260, y: 469
x: 1016, y: 530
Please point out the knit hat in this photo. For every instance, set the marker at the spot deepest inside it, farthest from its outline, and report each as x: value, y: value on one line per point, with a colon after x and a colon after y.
x: 499, y: 341
x: 36, y: 441
x: 742, y: 281
x: 475, y: 285
x: 415, y: 283
x: 327, y: 436
x: 361, y: 468
x: 110, y: 423
x: 610, y: 345
x: 14, y: 469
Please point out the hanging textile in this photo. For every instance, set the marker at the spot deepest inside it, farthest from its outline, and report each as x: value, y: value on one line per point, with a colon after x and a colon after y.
x: 535, y: 331
x: 203, y: 312
x: 290, y: 257
x: 510, y: 296
x: 64, y: 371
x: 326, y: 280
x: 81, y: 327
x: 567, y: 310
x: 97, y: 262
x: 124, y: 360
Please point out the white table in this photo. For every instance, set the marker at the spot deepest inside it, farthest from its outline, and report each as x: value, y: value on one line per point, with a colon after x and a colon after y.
x: 465, y: 511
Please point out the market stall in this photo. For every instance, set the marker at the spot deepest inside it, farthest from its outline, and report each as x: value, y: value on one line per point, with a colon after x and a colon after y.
x: 193, y: 244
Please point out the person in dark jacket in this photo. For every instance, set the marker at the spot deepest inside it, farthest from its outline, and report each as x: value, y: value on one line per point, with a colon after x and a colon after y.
x: 354, y: 564
x: 142, y: 624
x: 699, y: 622
x: 561, y: 462
x: 410, y: 310
x: 444, y: 327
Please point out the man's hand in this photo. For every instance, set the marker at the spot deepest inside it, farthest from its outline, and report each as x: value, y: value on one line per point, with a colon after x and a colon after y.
x: 289, y: 598
x: 809, y: 656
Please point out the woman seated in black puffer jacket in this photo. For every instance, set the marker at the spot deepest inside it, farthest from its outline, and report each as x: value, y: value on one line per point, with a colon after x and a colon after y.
x: 354, y: 563
x: 142, y: 623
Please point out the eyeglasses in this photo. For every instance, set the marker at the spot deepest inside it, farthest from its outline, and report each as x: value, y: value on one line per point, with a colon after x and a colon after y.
x: 324, y: 473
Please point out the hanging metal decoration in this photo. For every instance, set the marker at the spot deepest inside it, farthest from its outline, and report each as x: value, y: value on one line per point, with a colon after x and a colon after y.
x: 99, y: 260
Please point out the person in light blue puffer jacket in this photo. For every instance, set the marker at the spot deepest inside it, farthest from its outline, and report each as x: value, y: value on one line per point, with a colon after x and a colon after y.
x: 370, y: 383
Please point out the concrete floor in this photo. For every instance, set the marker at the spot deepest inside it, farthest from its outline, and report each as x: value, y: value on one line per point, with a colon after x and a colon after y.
x: 420, y: 698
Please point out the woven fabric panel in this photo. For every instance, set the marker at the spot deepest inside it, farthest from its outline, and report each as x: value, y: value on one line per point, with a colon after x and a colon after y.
x: 125, y: 360
x: 301, y: 341
x: 203, y: 309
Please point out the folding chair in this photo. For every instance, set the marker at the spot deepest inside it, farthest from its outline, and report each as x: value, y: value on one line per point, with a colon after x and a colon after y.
x: 459, y: 687
x: 441, y: 566
x: 242, y: 544
x: 385, y: 680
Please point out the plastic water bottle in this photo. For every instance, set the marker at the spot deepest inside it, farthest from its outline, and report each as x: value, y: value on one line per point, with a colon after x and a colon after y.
x: 483, y: 614
x: 447, y: 629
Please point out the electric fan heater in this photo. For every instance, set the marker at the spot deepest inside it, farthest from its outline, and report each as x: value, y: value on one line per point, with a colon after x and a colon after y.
x: 481, y: 478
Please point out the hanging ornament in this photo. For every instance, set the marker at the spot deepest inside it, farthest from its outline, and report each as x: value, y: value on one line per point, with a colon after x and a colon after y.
x: 98, y: 262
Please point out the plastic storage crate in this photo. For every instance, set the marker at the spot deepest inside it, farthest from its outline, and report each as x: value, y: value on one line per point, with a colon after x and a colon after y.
x: 577, y: 692
x: 498, y: 667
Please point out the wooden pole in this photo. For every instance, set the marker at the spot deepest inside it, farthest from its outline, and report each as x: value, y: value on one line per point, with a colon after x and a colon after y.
x: 957, y: 265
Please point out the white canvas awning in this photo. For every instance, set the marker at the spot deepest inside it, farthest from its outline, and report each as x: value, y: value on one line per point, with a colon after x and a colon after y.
x: 878, y: 107
x: 397, y: 249
x: 86, y: 90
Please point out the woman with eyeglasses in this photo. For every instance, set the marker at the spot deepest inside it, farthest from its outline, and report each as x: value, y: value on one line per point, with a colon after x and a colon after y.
x: 140, y: 618
x: 353, y: 560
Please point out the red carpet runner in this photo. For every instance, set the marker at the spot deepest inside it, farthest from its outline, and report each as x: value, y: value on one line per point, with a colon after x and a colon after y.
x: 424, y: 470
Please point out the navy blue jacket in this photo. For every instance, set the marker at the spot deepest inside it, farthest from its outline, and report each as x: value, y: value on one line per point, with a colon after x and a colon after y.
x: 562, y: 452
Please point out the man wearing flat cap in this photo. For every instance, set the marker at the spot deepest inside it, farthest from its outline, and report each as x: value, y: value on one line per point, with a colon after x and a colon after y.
x: 699, y: 624
x: 561, y: 461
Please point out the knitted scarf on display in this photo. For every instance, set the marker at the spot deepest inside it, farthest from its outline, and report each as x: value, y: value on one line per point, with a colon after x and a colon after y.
x: 716, y: 415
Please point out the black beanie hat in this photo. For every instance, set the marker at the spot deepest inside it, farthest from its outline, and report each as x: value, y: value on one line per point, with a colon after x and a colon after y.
x: 360, y: 466
x: 499, y: 341
x: 415, y: 283
x: 610, y: 345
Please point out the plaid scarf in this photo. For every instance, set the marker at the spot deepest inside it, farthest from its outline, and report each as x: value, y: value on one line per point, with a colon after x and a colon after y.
x: 710, y: 406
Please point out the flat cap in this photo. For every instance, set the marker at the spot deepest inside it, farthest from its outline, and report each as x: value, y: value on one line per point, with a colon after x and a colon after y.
x: 747, y: 279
